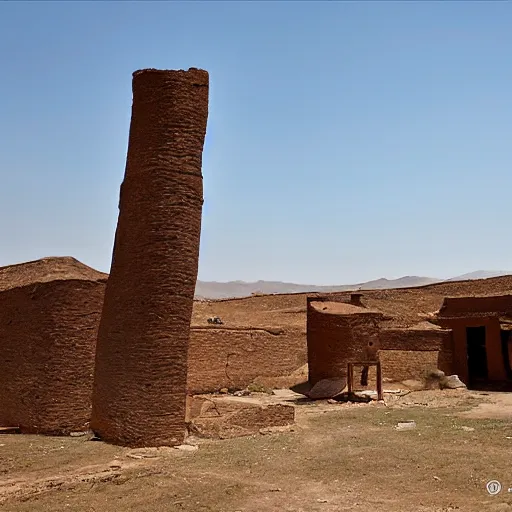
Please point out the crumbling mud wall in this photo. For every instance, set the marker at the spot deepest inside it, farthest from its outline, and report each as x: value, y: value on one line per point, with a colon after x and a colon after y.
x: 225, y: 417
x: 141, y: 359
x: 48, y: 330
x: 339, y: 333
x: 234, y: 357
x: 400, y: 365
x: 410, y: 353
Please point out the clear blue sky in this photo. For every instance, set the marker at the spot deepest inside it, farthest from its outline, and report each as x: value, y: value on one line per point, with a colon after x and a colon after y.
x: 346, y: 141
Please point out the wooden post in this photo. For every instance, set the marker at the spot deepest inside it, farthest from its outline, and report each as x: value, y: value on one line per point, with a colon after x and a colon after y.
x: 380, y: 394
x: 350, y: 376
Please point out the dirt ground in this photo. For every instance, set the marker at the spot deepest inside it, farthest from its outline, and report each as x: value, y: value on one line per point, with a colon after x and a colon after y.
x: 337, y: 457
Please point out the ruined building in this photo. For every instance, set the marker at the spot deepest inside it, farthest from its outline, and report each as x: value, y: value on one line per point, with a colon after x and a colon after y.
x: 339, y: 333
x: 482, y: 344
x: 141, y: 359
x: 49, y: 316
x: 341, y: 328
x: 468, y: 336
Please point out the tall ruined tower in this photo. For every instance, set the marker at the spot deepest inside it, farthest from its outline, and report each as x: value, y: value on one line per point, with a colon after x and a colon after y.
x: 141, y: 356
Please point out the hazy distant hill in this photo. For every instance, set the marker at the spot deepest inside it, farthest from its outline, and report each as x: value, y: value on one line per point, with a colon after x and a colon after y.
x: 215, y: 290
x: 481, y: 274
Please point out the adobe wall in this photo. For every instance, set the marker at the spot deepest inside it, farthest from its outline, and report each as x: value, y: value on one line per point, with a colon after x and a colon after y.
x: 409, y: 353
x: 400, y: 365
x: 47, y: 340
x: 333, y: 340
x: 465, y: 306
x: 233, y: 358
x: 141, y: 359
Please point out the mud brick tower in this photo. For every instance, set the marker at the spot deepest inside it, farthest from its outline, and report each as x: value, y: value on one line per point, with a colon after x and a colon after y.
x: 141, y: 357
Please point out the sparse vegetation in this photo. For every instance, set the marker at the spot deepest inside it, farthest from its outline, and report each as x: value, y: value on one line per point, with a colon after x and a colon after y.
x: 329, y: 462
x: 254, y: 387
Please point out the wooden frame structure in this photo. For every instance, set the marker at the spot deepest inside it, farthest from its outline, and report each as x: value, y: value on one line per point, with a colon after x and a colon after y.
x: 350, y: 376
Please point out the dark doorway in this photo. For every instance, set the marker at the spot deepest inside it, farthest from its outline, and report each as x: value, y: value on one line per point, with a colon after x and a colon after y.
x: 477, y: 355
x: 506, y: 338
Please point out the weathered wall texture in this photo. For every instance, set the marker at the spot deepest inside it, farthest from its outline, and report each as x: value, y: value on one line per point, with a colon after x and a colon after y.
x: 48, y: 334
x: 338, y: 334
x: 233, y: 357
x: 409, y: 353
x: 141, y: 359
x: 400, y: 365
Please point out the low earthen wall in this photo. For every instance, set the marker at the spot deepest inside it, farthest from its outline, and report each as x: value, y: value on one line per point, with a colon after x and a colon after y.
x: 222, y: 357
x: 400, y: 365
x: 409, y: 353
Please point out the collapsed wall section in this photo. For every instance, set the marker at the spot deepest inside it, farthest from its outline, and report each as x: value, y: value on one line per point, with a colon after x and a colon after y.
x: 48, y: 335
x: 234, y: 357
x: 141, y: 359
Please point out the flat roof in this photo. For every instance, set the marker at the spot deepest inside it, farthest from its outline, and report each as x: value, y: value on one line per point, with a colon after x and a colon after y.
x: 341, y: 308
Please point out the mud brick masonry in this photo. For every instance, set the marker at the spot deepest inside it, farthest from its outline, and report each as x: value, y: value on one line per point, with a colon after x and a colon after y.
x: 49, y: 316
x: 50, y: 312
x: 340, y: 329
x: 233, y: 358
x: 339, y: 333
x: 408, y: 353
x: 141, y: 359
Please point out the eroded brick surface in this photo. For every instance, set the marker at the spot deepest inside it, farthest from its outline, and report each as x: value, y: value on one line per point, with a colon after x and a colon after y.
x: 335, y: 339
x: 141, y: 360
x: 233, y: 358
x: 49, y: 317
x: 409, y: 353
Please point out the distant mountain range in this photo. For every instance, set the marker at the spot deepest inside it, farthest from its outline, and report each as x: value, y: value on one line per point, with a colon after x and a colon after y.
x: 481, y: 274
x: 233, y: 289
